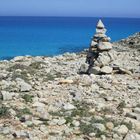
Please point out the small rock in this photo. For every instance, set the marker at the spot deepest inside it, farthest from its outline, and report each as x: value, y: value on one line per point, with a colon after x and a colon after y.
x: 66, y: 81
x: 75, y: 123
x: 69, y: 106
x: 110, y: 125
x: 99, y: 126
x: 121, y: 129
x: 61, y: 122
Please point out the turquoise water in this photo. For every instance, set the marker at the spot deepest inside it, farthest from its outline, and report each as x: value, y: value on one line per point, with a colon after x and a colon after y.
x: 56, y: 35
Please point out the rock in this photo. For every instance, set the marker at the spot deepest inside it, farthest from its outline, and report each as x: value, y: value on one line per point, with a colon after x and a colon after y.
x: 121, y: 129
x: 110, y: 125
x: 61, y: 121
x: 100, y: 24
x: 136, y: 110
x: 66, y: 81
x: 99, y: 126
x: 104, y: 46
x: 106, y: 70
x: 6, y: 95
x: 83, y: 68
x: 94, y: 70
x: 38, y: 104
x: 75, y: 123
x: 24, y: 87
x: 69, y: 106
x: 132, y: 136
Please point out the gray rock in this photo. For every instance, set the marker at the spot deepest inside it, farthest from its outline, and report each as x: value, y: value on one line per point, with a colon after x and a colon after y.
x: 24, y: 87
x: 94, y: 70
x: 83, y: 68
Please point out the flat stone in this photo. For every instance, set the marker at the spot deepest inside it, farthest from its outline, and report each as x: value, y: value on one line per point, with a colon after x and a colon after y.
x: 106, y: 70
x: 104, y: 46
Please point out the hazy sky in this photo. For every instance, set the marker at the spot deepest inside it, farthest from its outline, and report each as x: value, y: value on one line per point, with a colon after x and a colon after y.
x: 109, y: 8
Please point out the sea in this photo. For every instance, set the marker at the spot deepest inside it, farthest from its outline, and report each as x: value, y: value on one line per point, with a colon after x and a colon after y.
x: 50, y: 36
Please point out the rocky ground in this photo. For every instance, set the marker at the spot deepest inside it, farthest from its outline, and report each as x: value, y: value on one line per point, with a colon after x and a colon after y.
x: 48, y: 98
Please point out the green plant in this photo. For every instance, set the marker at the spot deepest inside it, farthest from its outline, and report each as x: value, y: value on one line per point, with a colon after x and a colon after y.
x: 4, y: 111
x: 86, y: 128
x: 28, y: 98
x: 22, y: 112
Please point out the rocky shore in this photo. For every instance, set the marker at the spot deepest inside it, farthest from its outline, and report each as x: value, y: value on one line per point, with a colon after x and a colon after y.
x: 52, y: 98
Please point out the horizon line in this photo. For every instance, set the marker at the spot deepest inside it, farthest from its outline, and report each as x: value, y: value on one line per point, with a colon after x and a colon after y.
x: 69, y: 16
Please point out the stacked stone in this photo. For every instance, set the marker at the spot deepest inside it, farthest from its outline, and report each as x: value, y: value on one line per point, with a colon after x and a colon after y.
x: 98, y: 56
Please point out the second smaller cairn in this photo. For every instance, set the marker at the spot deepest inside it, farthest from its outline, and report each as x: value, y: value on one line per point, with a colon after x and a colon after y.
x: 99, y: 55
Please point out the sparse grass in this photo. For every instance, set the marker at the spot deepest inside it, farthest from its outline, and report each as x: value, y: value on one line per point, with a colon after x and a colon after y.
x: 22, y: 112
x: 37, y: 65
x: 4, y: 111
x: 121, y: 105
x: 28, y: 98
x: 16, y: 66
x: 86, y: 128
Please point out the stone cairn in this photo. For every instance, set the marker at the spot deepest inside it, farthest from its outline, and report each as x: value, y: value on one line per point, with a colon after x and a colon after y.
x: 99, y: 56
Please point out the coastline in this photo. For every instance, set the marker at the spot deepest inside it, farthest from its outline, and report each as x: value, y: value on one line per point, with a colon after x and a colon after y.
x: 47, y: 98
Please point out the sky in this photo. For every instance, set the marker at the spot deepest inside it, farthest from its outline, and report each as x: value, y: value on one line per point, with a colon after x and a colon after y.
x: 82, y: 8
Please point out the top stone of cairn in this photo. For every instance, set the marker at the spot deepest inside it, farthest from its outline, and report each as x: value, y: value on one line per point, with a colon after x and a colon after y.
x: 100, y: 24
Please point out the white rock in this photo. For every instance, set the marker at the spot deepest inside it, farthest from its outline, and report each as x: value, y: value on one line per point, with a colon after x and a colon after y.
x: 99, y: 126
x: 61, y: 121
x: 100, y: 24
x: 106, y: 70
x: 24, y: 87
x: 104, y: 46
x: 69, y: 106
x: 121, y: 129
x: 132, y: 136
x: 6, y: 95
x: 75, y: 123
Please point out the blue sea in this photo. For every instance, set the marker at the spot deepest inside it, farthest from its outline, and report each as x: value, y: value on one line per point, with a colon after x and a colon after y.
x: 49, y: 36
